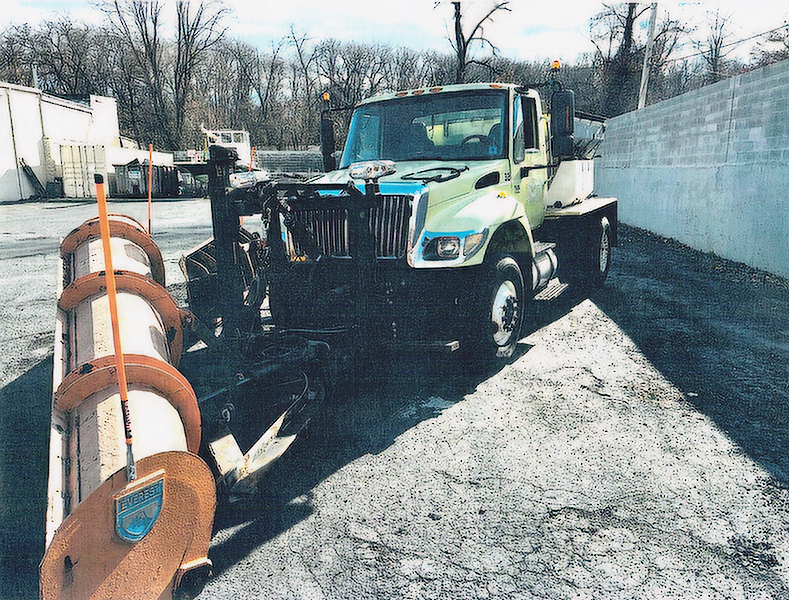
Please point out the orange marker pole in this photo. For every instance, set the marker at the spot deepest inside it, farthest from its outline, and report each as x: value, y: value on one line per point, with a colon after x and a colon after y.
x: 112, y: 296
x: 252, y: 158
x: 150, y: 183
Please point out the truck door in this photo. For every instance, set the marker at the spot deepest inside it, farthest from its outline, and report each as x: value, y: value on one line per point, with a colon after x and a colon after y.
x: 529, y: 158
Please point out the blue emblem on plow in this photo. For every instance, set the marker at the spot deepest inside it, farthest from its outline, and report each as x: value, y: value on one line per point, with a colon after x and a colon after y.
x: 136, y: 511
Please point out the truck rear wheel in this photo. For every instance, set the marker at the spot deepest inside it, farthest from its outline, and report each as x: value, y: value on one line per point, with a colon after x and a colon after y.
x: 601, y: 251
x: 593, y: 255
x: 498, y: 315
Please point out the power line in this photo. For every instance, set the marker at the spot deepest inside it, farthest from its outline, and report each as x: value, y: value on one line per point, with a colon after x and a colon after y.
x: 738, y: 42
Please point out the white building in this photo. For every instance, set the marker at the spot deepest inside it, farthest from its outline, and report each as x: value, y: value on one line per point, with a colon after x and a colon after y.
x: 64, y: 143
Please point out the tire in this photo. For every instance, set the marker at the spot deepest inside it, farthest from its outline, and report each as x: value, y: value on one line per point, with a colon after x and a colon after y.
x: 600, y: 261
x: 497, y: 316
x: 593, y: 255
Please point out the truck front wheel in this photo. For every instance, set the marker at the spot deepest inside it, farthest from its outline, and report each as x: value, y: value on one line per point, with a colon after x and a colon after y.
x: 497, y: 318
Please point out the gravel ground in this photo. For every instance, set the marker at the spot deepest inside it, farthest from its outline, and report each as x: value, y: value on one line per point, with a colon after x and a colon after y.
x: 635, y: 448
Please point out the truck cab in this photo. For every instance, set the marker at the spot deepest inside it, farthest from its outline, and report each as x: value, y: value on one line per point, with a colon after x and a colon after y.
x: 470, y: 150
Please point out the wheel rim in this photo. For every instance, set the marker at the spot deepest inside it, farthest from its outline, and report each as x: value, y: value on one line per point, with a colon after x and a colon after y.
x: 605, y: 251
x: 505, y: 313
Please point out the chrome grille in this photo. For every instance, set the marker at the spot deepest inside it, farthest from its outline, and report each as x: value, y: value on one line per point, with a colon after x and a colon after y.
x: 388, y: 224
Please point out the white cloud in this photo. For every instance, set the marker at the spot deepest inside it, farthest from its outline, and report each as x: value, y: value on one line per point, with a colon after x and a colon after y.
x: 531, y: 30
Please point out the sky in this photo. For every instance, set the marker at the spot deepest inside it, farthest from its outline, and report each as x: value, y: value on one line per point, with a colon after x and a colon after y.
x: 531, y: 30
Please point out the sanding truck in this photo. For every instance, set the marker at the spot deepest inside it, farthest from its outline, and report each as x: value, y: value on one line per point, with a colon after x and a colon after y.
x: 451, y: 208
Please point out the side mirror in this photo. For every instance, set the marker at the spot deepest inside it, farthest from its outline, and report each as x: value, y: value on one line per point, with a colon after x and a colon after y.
x: 562, y: 123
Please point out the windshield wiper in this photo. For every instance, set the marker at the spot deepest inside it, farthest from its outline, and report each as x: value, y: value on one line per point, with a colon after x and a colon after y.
x: 439, y: 174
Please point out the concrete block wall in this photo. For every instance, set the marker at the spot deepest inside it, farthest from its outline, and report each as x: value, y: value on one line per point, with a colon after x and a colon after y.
x: 709, y: 168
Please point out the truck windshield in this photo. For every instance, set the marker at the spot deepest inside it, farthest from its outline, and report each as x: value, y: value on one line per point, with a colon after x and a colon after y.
x: 467, y: 125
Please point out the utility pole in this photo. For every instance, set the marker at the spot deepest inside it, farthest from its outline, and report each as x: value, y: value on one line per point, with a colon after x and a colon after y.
x: 642, y: 94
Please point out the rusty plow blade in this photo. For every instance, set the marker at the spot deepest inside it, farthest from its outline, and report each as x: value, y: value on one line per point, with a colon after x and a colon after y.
x: 111, y: 534
x: 131, y: 505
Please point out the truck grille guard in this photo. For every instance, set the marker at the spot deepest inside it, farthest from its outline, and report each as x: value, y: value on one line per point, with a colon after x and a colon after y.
x: 315, y: 224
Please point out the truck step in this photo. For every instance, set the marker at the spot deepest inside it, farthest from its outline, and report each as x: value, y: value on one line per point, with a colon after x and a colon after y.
x: 553, y: 290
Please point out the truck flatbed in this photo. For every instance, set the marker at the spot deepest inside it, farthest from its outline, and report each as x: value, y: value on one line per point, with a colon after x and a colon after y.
x: 580, y: 209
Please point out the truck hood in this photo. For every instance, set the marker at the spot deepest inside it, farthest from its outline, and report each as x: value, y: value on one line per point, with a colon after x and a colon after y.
x: 445, y: 180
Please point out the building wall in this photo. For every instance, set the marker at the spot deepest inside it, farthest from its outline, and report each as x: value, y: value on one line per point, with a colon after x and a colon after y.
x: 9, y: 174
x: 64, y: 123
x: 21, y: 131
x: 104, y: 129
x: 59, y: 139
x: 709, y: 168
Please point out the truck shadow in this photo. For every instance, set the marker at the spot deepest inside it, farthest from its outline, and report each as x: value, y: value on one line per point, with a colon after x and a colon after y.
x: 385, y: 396
x: 718, y: 330
x: 715, y: 329
x: 381, y: 397
x: 24, y: 444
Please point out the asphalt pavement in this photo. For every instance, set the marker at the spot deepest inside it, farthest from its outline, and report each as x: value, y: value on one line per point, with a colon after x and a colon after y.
x: 636, y: 447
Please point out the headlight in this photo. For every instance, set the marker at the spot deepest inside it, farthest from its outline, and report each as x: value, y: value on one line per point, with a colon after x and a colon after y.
x: 442, y: 248
x: 450, y: 247
x: 473, y: 242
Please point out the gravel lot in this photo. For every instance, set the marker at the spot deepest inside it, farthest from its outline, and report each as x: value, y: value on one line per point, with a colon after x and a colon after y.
x: 636, y: 447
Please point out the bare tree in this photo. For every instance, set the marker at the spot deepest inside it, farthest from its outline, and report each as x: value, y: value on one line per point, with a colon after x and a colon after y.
x: 268, y: 82
x: 713, y: 47
x: 166, y: 68
x: 462, y: 41
x: 666, y: 77
x: 66, y: 58
x: 222, y: 87
x: 198, y: 30
x: 238, y: 86
x: 138, y: 24
x: 303, y: 101
x: 775, y: 48
x: 408, y: 69
x: 16, y: 60
x: 119, y: 69
x: 353, y: 71
x: 619, y: 63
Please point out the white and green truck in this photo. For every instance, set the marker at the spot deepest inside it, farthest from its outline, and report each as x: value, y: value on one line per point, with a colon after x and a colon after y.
x: 450, y: 209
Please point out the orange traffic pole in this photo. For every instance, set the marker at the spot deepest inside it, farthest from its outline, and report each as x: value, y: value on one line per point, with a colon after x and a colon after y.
x: 112, y: 296
x: 150, y: 183
x: 252, y: 158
